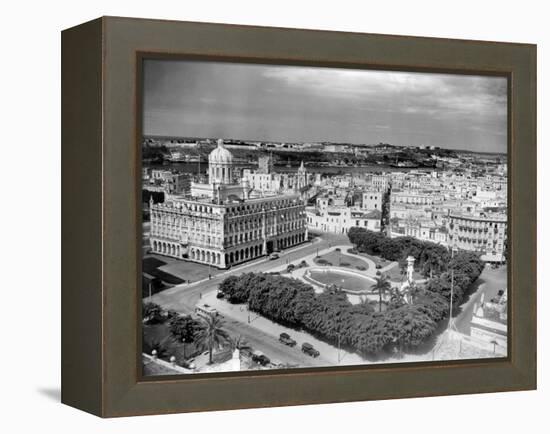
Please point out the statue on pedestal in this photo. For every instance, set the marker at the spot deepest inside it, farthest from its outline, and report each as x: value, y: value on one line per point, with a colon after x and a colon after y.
x: 409, y: 283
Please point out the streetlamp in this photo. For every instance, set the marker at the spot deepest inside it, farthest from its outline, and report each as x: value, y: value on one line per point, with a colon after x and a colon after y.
x: 451, y: 324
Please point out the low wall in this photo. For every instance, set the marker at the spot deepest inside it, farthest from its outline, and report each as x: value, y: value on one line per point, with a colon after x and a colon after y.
x: 165, y: 364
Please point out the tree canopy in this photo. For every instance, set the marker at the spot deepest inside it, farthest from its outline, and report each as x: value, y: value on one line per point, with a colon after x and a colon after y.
x: 332, y: 317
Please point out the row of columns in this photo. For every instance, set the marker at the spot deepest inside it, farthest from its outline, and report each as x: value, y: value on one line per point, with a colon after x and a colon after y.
x: 166, y: 248
x: 221, y: 260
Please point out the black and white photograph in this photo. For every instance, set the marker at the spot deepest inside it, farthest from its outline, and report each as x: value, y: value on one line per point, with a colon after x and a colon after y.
x: 304, y: 217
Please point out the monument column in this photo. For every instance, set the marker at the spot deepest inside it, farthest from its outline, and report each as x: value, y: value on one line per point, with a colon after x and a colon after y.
x: 410, y: 268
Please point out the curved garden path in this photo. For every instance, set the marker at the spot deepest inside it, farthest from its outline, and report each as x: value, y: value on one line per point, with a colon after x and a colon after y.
x: 369, y: 273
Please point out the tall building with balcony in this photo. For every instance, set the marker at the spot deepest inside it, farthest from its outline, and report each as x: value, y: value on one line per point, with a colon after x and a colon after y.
x: 222, y: 223
x: 481, y: 233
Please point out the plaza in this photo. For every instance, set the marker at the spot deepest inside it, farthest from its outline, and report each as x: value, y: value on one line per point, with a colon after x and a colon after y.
x: 262, y: 333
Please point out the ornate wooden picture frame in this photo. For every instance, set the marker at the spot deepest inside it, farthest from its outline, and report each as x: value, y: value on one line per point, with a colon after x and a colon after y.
x: 102, y: 127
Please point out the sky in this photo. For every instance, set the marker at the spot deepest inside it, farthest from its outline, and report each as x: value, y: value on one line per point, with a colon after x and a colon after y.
x: 313, y: 104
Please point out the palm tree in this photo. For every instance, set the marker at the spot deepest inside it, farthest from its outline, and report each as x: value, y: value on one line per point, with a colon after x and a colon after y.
x: 382, y: 286
x: 434, y: 262
x: 396, y: 297
x: 211, y: 334
x: 412, y: 291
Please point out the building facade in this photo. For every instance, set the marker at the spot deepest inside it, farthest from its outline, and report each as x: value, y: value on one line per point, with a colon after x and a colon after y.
x: 381, y: 182
x: 483, y: 234
x: 339, y: 219
x: 415, y: 197
x: 223, y: 224
x: 372, y: 199
x: 164, y: 180
x: 266, y: 181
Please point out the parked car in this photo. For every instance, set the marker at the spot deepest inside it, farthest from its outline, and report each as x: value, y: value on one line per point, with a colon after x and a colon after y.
x: 260, y: 358
x: 220, y: 294
x: 287, y: 340
x: 310, y: 350
x: 274, y: 255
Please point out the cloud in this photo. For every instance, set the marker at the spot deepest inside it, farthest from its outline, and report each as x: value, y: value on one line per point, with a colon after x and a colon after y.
x: 291, y: 103
x: 423, y: 92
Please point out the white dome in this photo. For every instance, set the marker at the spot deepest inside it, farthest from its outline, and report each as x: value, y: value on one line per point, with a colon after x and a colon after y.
x: 220, y: 155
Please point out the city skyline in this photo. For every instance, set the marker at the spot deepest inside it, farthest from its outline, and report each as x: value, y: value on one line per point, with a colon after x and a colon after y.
x: 312, y: 104
x: 314, y: 269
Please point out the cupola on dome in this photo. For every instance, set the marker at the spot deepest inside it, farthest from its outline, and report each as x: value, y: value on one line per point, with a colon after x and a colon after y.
x: 220, y: 155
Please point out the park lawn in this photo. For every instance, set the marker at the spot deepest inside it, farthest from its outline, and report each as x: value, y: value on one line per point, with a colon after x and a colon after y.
x: 350, y: 282
x: 394, y: 273
x: 376, y: 259
x: 341, y: 259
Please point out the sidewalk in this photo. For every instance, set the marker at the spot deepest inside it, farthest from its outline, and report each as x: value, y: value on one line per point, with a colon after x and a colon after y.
x: 237, y: 268
x: 444, y: 348
x: 240, y: 313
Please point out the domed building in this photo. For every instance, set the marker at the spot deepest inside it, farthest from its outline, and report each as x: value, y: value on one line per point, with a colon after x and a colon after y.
x: 220, y: 186
x: 220, y: 165
x: 225, y: 222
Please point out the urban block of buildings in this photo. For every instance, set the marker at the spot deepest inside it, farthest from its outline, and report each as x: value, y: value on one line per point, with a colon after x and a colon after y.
x: 465, y: 209
x: 222, y: 222
x: 462, y: 204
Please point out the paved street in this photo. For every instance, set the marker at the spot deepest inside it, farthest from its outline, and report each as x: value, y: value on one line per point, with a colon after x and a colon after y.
x: 489, y: 283
x: 270, y: 345
x: 263, y: 334
x: 183, y: 299
x: 330, y: 355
